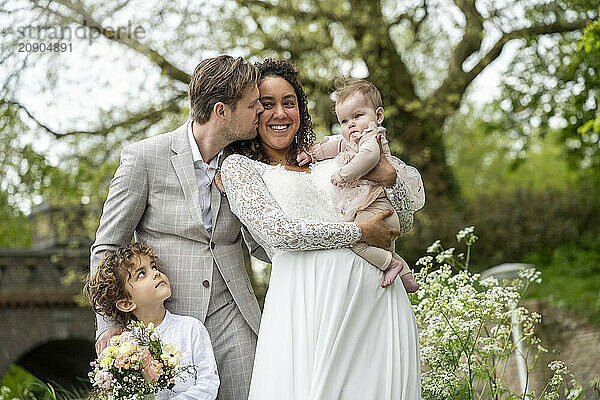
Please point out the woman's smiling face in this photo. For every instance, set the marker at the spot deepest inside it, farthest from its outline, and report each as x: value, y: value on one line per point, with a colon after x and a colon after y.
x: 280, y: 121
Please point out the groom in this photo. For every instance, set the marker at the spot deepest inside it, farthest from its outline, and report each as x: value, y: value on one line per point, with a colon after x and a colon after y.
x: 163, y: 194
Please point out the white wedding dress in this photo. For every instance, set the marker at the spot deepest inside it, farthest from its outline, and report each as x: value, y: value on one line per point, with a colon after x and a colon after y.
x: 328, y: 331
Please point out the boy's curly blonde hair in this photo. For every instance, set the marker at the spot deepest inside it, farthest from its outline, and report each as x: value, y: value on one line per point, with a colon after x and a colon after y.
x: 107, y: 285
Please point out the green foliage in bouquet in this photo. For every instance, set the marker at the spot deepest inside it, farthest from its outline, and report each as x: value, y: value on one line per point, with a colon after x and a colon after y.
x: 465, y: 324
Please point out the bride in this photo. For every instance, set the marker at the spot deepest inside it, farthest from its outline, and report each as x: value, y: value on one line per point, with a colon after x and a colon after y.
x: 328, y: 331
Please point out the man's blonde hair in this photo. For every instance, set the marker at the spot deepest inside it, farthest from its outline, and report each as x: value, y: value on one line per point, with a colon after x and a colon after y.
x: 219, y: 79
x: 347, y: 87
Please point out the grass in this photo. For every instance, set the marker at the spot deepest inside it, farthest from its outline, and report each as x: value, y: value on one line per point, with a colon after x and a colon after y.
x: 20, y: 384
x: 570, y: 277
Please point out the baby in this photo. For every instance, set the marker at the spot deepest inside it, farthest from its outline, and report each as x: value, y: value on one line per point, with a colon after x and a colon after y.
x: 128, y: 284
x: 359, y: 110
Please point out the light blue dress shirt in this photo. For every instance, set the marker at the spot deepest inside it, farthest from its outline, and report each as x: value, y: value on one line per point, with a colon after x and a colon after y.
x: 205, y: 173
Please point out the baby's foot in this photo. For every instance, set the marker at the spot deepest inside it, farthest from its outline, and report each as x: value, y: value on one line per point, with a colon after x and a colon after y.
x: 409, y: 282
x: 392, y: 272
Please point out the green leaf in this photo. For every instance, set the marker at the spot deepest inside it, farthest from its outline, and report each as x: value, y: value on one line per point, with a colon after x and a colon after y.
x: 585, y: 127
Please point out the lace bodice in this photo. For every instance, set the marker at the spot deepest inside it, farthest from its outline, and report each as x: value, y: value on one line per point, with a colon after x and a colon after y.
x: 285, y: 210
x: 303, y: 195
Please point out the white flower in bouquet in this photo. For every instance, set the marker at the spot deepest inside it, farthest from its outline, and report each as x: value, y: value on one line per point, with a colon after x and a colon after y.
x: 170, y: 355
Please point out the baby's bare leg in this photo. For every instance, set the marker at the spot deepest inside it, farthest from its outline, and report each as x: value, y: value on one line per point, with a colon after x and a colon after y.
x: 399, y: 267
x: 386, y: 260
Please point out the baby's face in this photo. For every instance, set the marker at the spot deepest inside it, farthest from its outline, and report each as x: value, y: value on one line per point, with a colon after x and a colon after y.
x: 354, y: 114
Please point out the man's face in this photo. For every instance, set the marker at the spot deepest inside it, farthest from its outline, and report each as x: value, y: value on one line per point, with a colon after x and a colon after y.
x: 244, y: 120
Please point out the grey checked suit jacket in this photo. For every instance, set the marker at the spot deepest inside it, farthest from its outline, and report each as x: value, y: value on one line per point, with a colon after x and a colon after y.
x: 154, y: 194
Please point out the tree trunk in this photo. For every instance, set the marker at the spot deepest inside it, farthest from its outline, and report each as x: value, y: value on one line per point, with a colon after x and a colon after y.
x: 422, y: 146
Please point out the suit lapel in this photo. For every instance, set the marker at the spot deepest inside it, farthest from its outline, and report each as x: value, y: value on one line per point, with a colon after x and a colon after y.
x: 184, y: 168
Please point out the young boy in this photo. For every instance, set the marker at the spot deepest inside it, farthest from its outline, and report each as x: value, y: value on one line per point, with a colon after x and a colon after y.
x: 128, y: 284
x: 359, y: 110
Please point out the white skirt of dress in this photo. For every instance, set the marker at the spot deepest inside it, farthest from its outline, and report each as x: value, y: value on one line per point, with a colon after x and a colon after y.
x: 329, y: 331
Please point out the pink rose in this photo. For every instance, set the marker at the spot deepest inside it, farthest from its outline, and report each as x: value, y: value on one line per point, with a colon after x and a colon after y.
x: 122, y: 361
x: 152, y: 371
x: 145, y: 356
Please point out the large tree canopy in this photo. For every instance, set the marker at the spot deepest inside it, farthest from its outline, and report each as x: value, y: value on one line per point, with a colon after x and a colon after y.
x: 423, y: 55
x: 554, y: 89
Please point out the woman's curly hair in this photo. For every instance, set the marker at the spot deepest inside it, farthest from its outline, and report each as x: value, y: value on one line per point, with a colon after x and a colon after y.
x: 305, y: 136
x: 108, y: 284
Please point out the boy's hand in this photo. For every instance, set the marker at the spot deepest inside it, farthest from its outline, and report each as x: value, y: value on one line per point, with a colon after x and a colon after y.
x: 104, y: 338
x: 304, y: 158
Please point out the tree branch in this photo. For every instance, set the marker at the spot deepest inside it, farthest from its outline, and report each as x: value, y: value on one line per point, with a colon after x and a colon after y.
x: 471, y: 40
x: 297, y: 45
x: 166, y: 67
x: 447, y: 97
x: 149, y: 117
x: 290, y: 10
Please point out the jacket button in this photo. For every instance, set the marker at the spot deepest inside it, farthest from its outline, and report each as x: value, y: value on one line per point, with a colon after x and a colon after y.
x: 206, y: 283
x: 212, y: 245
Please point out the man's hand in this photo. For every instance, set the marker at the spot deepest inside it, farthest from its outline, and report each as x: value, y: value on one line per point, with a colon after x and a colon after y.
x: 383, y: 173
x: 104, y: 338
x: 376, y: 232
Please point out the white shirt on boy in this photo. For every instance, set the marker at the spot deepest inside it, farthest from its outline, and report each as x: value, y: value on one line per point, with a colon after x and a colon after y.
x: 191, y: 338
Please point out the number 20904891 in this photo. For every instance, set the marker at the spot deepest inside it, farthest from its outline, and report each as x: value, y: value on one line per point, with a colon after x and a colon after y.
x: 36, y: 47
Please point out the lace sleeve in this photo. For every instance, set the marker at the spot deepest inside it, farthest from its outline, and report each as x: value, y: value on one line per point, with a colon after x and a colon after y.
x: 407, y: 195
x: 250, y: 200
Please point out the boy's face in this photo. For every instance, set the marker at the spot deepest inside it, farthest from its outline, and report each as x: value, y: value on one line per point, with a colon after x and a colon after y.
x: 355, y: 113
x: 147, y: 286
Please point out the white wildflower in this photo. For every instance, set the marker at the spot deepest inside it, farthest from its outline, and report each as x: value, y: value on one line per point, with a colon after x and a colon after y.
x: 425, y: 261
x: 464, y: 232
x: 445, y: 255
x: 530, y: 274
x: 435, y: 247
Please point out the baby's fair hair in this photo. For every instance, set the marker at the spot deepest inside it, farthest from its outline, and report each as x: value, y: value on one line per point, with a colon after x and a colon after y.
x: 347, y: 87
x: 108, y: 285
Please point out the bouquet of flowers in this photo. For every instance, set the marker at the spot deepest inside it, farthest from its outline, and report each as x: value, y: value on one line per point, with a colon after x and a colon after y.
x: 136, y: 365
